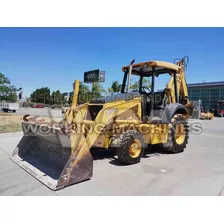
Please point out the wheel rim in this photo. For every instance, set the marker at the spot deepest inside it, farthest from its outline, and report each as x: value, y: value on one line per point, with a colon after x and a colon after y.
x: 135, y: 148
x: 180, y: 134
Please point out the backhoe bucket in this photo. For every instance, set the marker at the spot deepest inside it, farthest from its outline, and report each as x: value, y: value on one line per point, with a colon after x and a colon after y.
x: 54, y: 158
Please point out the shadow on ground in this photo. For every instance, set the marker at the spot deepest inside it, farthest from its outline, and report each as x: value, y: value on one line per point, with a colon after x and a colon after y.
x: 99, y: 153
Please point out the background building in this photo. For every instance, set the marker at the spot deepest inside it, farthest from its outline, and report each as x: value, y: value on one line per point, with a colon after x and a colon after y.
x: 67, y: 95
x: 209, y: 93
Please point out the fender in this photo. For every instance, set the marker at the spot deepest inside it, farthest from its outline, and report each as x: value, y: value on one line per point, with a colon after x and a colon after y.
x: 171, y: 109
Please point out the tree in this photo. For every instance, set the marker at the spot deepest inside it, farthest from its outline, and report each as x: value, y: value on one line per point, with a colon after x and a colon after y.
x: 53, y: 97
x: 57, y: 97
x: 7, y: 91
x: 84, y: 93
x: 145, y: 82
x: 115, y: 87
x: 97, y: 90
x: 135, y: 86
x: 41, y: 95
x: 12, y: 97
x: 110, y: 90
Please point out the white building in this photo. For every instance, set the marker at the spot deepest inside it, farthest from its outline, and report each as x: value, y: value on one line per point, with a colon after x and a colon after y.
x: 67, y: 95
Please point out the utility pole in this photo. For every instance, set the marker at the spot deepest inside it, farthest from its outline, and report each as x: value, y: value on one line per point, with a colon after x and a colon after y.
x: 44, y: 95
x: 20, y: 95
x: 92, y: 89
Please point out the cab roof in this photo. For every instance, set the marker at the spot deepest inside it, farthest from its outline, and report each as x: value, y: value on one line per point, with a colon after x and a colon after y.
x: 145, y: 68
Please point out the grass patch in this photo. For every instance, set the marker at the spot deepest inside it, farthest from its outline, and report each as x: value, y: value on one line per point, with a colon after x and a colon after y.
x: 11, y: 127
x: 12, y: 122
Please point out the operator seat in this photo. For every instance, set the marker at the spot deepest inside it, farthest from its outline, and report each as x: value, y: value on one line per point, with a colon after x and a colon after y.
x: 158, y: 105
x: 159, y: 100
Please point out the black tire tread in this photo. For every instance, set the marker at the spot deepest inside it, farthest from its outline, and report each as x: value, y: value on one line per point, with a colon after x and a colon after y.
x: 172, y: 146
x: 122, y: 151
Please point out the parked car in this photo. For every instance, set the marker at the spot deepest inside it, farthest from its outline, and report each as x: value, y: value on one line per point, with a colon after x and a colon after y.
x: 38, y: 105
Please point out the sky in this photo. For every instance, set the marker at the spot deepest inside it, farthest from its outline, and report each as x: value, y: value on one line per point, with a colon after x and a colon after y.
x: 55, y: 57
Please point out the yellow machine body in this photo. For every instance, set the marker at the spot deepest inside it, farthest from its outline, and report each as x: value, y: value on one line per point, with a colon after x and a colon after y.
x: 58, y: 154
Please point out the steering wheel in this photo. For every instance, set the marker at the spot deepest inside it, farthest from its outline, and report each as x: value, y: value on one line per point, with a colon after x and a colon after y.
x: 146, y: 88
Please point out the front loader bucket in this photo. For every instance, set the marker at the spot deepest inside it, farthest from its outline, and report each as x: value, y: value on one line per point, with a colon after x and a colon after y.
x: 54, y: 158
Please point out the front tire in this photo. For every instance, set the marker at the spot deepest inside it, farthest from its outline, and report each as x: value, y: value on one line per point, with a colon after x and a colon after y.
x: 178, y: 134
x: 131, y: 147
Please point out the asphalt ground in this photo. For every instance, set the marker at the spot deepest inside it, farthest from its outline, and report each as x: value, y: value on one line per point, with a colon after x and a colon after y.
x: 199, y: 170
x: 39, y: 111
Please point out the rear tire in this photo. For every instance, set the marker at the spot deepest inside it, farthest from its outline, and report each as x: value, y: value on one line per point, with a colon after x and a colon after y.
x: 178, y: 134
x: 131, y: 148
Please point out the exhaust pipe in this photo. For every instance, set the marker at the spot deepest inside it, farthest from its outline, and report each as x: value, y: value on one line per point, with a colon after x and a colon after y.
x: 129, y: 76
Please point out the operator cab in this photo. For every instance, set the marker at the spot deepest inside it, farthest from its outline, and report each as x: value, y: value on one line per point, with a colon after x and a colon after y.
x: 144, y: 75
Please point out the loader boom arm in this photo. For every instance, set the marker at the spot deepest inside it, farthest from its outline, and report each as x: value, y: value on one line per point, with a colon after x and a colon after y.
x: 182, y: 90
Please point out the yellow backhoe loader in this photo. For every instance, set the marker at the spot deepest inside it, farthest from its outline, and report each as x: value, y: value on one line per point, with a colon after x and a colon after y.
x: 207, y: 115
x: 58, y: 154
x: 200, y: 113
